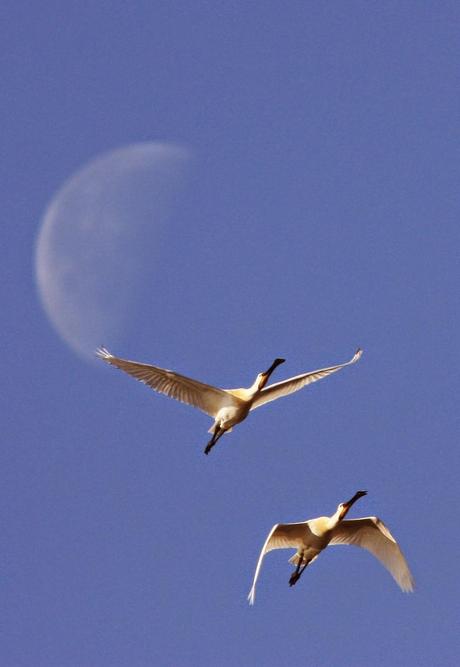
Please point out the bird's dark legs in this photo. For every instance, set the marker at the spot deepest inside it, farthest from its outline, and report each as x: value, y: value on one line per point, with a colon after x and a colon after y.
x: 218, y: 433
x: 295, y: 576
x: 302, y: 570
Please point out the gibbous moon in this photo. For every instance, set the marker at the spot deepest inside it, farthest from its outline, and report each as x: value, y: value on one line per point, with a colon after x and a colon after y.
x: 97, y: 243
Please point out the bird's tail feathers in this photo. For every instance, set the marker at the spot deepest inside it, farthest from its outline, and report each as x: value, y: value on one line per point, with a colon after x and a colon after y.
x: 213, y: 428
x: 296, y: 557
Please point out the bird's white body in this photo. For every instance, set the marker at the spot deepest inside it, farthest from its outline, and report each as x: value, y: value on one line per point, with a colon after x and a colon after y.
x: 227, y: 407
x: 230, y: 415
x: 311, y: 537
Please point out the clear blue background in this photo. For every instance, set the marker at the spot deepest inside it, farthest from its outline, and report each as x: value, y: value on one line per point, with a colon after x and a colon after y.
x: 321, y: 213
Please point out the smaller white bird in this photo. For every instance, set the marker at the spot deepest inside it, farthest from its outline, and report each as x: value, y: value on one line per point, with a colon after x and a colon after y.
x: 227, y: 407
x: 309, y: 538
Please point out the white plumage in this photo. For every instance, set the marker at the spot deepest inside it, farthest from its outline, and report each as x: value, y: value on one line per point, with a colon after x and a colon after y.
x: 228, y: 407
x: 310, y: 537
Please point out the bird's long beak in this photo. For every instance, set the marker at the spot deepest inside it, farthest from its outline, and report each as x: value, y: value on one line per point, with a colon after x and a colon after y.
x: 276, y: 363
x: 349, y: 503
x: 269, y: 371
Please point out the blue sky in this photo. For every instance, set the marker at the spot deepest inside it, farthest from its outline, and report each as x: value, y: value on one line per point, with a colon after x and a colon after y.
x: 319, y: 213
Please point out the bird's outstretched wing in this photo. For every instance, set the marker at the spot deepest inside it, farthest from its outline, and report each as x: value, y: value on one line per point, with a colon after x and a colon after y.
x: 285, y: 387
x: 281, y: 536
x: 202, y: 396
x: 371, y: 533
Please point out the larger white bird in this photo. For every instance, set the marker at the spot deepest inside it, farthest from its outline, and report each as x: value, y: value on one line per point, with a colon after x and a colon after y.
x: 309, y: 538
x: 228, y: 407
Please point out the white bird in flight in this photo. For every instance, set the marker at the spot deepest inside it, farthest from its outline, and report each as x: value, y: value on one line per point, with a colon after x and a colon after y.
x: 309, y: 538
x: 228, y: 407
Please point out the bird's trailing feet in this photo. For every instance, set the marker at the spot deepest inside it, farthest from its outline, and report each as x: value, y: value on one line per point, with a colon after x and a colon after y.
x: 218, y: 433
x: 295, y: 576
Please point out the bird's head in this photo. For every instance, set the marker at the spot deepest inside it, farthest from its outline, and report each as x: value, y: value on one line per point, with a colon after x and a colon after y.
x: 262, y: 378
x: 344, y: 508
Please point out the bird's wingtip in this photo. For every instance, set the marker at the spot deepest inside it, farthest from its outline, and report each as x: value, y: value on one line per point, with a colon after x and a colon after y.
x: 102, y: 352
x: 251, y: 597
x: 408, y: 585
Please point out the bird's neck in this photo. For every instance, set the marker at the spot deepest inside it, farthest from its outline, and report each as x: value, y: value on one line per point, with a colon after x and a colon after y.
x: 255, y: 388
x: 335, y: 519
